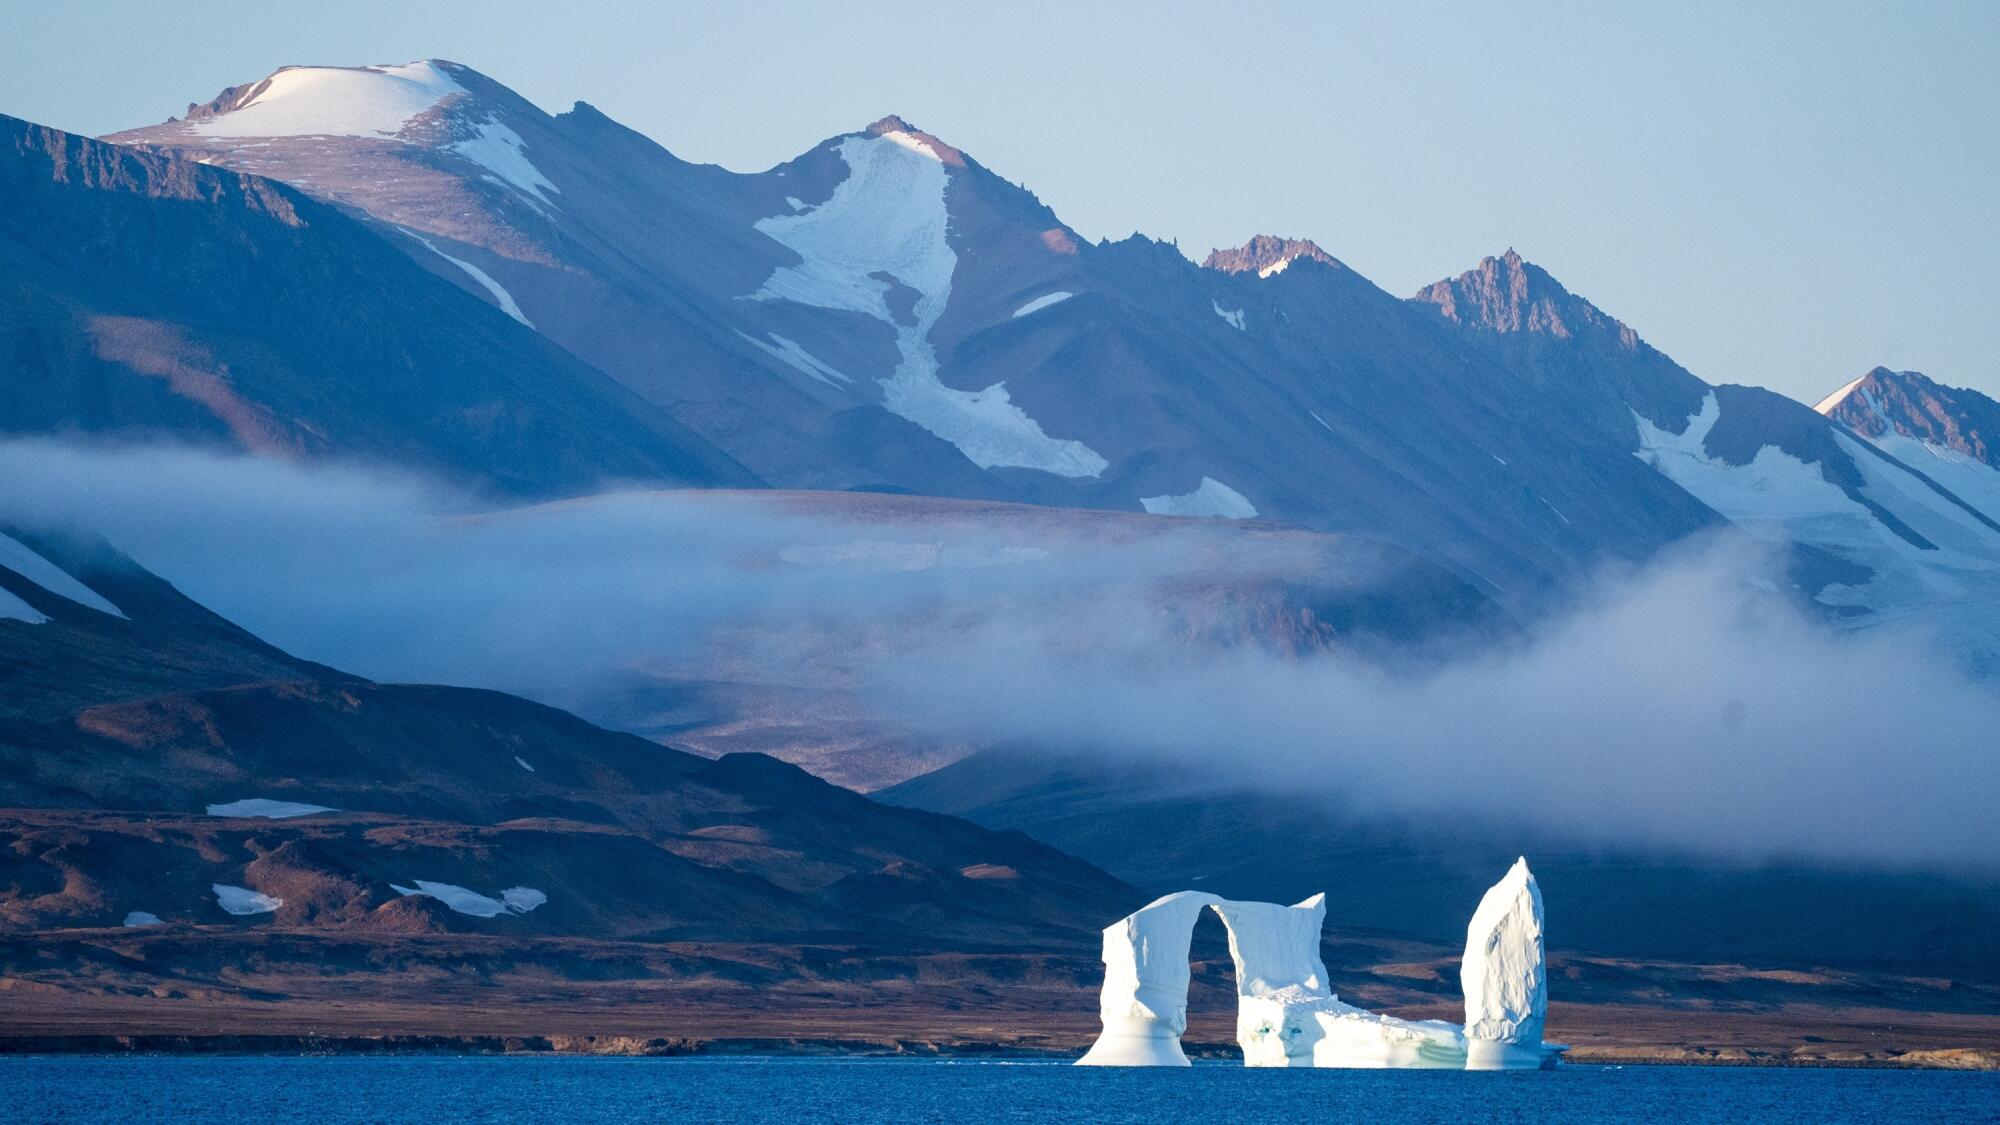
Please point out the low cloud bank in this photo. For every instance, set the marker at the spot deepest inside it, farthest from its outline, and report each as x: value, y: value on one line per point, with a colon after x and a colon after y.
x: 1679, y: 706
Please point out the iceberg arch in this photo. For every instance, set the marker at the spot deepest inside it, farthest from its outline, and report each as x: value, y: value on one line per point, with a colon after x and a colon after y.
x: 1286, y: 1013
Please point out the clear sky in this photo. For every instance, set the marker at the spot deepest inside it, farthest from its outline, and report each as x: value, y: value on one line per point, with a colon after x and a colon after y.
x: 1783, y: 194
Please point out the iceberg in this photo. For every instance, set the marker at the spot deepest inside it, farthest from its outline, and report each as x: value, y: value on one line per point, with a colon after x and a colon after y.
x: 1280, y: 979
x: 1144, y: 1001
x: 1505, y: 979
x: 1286, y: 1014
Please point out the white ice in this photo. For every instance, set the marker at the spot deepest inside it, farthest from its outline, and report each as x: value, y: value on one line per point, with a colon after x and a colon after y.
x: 1210, y: 498
x: 1042, y: 302
x: 271, y: 810
x: 243, y: 901
x: 31, y: 565
x: 889, y: 217
x: 1280, y: 979
x: 1233, y: 316
x: 1287, y: 1016
x: 305, y: 101
x: 514, y: 900
x: 500, y: 150
x: 1144, y: 1002
x: 788, y: 351
x: 523, y: 763
x: 493, y: 288
x: 1504, y: 977
x: 140, y: 918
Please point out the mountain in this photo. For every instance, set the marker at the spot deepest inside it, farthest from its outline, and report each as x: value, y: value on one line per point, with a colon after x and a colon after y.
x: 884, y: 312
x: 1267, y: 254
x: 1405, y: 876
x: 1878, y: 530
x: 146, y: 296
x: 1951, y: 434
x: 148, y: 745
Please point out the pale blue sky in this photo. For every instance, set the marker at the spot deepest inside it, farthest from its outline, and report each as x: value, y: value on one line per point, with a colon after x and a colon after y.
x: 1784, y: 194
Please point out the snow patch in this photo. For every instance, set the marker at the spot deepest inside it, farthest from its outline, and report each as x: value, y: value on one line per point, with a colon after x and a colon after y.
x: 794, y: 202
x: 520, y: 900
x: 242, y: 901
x: 788, y: 351
x: 309, y: 101
x: 500, y: 150
x: 513, y: 900
x: 31, y: 565
x: 1040, y: 303
x: 1275, y: 267
x: 522, y: 762
x: 1781, y: 499
x: 1235, y: 318
x: 1210, y: 498
x: 493, y: 288
x: 1826, y: 405
x: 140, y: 918
x: 889, y: 217
x: 1968, y: 478
x: 18, y: 610
x: 268, y: 809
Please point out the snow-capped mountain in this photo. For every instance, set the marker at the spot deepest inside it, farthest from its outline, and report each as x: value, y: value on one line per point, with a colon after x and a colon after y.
x: 1951, y: 434
x: 1881, y: 527
x: 144, y: 295
x: 884, y: 312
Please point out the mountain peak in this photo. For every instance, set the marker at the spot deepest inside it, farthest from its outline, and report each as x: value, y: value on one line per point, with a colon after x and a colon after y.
x: 352, y: 101
x: 1914, y: 405
x: 1267, y: 254
x: 895, y: 128
x: 1511, y: 294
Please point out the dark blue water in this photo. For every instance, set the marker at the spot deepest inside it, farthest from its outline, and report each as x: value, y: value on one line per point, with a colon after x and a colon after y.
x: 330, y: 1090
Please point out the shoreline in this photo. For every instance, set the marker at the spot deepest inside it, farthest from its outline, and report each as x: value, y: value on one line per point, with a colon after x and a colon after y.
x: 108, y: 1045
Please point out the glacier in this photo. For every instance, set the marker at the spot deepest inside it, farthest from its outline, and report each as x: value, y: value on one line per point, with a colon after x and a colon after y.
x: 1288, y: 1016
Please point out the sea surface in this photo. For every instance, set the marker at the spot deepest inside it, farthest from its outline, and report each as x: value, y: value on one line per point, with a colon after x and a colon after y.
x: 436, y: 1089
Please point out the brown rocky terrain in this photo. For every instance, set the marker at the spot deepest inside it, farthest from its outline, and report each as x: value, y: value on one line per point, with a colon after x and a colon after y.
x: 211, y: 989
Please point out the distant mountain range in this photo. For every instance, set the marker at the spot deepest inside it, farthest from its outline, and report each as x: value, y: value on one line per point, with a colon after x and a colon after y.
x: 884, y: 312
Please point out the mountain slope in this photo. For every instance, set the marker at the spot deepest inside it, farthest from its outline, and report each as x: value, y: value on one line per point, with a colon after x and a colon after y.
x: 147, y: 296
x: 1879, y: 530
x: 1951, y: 434
x: 165, y: 710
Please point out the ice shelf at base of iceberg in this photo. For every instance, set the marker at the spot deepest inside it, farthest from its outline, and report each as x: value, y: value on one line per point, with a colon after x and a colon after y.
x: 1357, y: 1039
